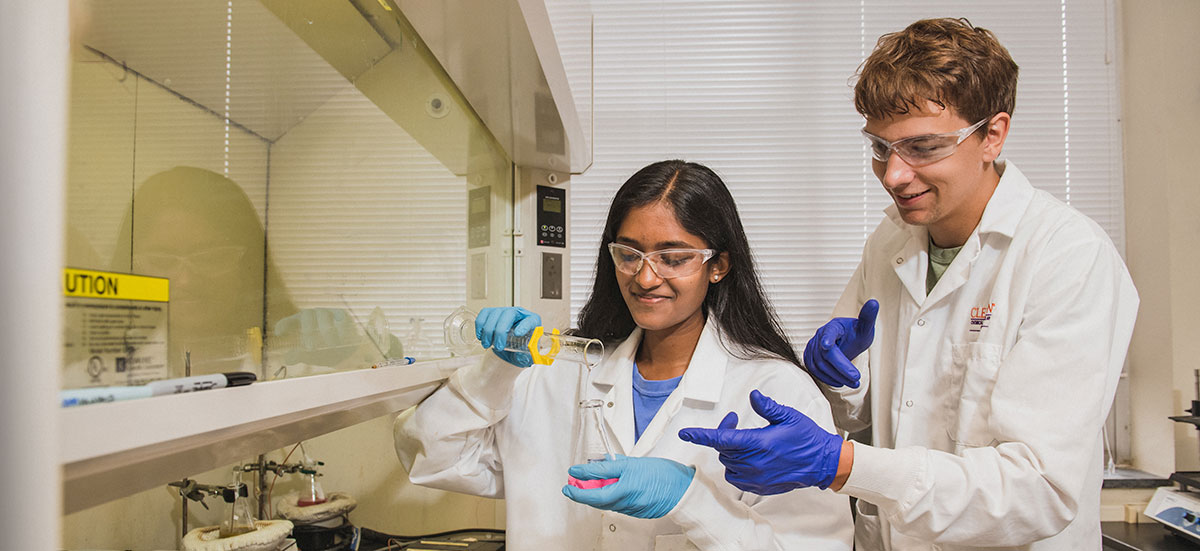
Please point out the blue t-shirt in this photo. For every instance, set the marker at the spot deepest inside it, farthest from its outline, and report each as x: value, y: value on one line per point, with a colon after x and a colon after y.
x: 648, y: 397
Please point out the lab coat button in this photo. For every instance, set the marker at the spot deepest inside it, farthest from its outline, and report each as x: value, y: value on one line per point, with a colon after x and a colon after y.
x: 921, y: 322
x: 612, y: 527
x: 908, y: 403
x: 899, y: 261
x: 610, y: 404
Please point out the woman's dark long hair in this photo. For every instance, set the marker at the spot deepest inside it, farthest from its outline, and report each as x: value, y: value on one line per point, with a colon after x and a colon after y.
x: 705, y: 208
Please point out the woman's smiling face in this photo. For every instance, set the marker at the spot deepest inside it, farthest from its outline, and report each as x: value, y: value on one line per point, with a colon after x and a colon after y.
x: 654, y: 302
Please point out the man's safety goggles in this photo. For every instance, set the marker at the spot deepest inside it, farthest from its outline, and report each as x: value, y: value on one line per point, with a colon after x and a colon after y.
x: 920, y: 150
x: 667, y: 263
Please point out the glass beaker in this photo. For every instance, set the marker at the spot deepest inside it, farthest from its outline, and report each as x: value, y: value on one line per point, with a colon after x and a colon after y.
x: 544, y: 346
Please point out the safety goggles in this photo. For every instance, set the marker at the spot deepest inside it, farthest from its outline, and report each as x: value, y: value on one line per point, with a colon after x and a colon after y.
x: 212, y: 261
x: 920, y: 150
x: 667, y: 263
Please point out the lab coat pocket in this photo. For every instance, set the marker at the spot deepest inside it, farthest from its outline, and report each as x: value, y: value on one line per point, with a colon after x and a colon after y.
x: 969, y: 407
x: 674, y: 542
x: 868, y: 533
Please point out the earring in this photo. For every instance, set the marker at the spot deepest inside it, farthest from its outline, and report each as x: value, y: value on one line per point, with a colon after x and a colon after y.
x: 716, y: 278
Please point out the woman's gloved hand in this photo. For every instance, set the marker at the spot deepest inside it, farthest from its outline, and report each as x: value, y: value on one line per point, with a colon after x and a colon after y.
x: 792, y: 452
x: 648, y: 487
x: 493, y: 326
x: 829, y: 353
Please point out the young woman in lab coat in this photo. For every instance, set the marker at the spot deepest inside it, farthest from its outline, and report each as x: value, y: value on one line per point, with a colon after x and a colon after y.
x: 688, y: 334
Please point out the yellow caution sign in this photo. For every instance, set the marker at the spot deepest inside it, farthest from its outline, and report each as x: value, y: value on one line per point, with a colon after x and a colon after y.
x: 93, y: 284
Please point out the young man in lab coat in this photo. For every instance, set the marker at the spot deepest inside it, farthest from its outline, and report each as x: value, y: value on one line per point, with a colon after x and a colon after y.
x: 987, y: 366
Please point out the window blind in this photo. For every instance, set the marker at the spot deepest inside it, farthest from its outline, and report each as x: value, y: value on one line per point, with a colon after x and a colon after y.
x: 761, y: 92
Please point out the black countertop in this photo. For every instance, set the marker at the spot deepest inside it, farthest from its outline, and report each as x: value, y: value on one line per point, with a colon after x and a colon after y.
x: 1119, y: 536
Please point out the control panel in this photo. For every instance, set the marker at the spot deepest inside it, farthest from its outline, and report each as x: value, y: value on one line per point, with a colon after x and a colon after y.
x: 551, y: 217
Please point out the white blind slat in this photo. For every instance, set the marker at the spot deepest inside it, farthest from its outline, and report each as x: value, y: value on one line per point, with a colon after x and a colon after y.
x: 760, y: 91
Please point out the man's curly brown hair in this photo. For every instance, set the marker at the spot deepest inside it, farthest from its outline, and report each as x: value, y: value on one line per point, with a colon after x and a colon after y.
x: 947, y: 61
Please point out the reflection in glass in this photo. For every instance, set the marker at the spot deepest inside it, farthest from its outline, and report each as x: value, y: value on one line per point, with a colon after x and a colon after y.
x: 199, y: 229
x: 281, y: 164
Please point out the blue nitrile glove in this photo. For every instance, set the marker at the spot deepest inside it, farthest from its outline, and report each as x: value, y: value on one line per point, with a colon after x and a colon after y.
x: 827, y: 355
x: 649, y: 487
x: 493, y: 325
x: 792, y: 452
x: 318, y: 336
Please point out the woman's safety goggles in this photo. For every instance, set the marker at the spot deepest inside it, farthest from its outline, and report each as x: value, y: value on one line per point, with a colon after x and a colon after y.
x: 920, y: 150
x: 667, y: 263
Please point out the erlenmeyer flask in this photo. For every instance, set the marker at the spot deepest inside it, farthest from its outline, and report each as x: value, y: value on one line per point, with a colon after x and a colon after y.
x: 592, y: 442
x: 312, y: 493
x: 596, y: 445
x: 418, y: 344
x: 237, y: 518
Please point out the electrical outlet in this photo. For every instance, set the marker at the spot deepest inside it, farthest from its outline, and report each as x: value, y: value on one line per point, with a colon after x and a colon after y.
x: 552, y: 275
x: 479, y: 276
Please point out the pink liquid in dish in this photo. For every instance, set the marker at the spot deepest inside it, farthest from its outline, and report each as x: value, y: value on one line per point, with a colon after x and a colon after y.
x: 590, y: 484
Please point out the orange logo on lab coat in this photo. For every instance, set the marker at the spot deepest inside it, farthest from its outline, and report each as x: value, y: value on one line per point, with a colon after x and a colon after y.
x: 981, y: 316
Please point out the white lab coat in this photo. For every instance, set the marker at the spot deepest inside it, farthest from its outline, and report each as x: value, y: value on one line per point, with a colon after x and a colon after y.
x: 499, y: 431
x: 986, y: 399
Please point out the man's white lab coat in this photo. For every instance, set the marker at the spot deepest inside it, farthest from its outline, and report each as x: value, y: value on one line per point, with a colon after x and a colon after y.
x: 986, y: 399
x: 495, y: 430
